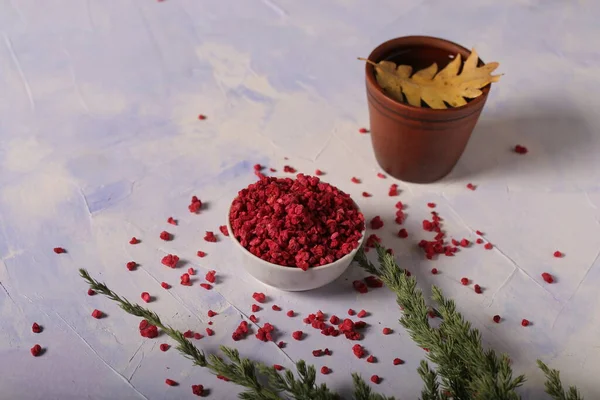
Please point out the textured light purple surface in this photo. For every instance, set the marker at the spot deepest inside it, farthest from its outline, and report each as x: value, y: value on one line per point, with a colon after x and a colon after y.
x: 99, y: 142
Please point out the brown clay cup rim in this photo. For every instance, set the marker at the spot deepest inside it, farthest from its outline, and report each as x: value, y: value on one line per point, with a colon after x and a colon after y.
x: 426, y: 41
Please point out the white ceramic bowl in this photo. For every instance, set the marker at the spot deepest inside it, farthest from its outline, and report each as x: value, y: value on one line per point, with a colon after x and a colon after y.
x: 292, y: 279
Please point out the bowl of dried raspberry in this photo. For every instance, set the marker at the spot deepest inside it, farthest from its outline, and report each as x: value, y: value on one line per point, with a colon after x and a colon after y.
x: 295, y: 234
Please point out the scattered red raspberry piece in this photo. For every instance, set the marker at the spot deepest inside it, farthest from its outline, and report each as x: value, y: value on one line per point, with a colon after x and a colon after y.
x: 145, y: 296
x: 358, y: 350
x: 398, y: 361
x: 209, y: 332
x: 325, y: 370
x: 403, y: 233
x: 318, y: 172
x: 376, y: 222
x: 131, y: 265
x: 488, y: 246
x: 431, y: 205
x: 387, y: 331
x: 520, y: 149
x: 201, y: 117
x: 375, y: 379
x: 201, y: 254
x: 255, y: 308
x: 191, y: 271
x: 97, y: 314
x: 165, y: 285
x: 59, y: 250
x: 278, y: 367
x: 241, y: 331
x: 211, y: 313
x: 361, y: 314
x: 195, y: 205
x: 479, y: 233
x: 464, y: 281
x: 91, y: 292
x: 558, y: 254
x: 380, y: 175
x: 258, y: 167
x: 360, y: 287
x: 479, y: 240
x: 290, y: 313
x: 134, y: 241
x: 35, y: 328
x: 366, y: 194
x: 171, y: 382
x: 185, y: 280
x: 164, y: 235
x: 198, y: 336
x: 355, y: 180
x: 36, y: 350
x: 171, y: 221
x: 281, y: 344
x: 223, y: 229
x: 170, y: 260
x: 547, y: 277
x: 143, y: 325
x: 317, y: 353
x: 351, y: 311
x: 434, y: 271
x: 198, y: 390
x: 371, y: 359
x: 150, y: 332
x: 210, y: 237
x: 477, y: 289
x: 188, y: 334
x: 253, y: 318
x: 363, y: 130
x: 259, y: 297
x: 206, y: 286
x: 223, y: 378
x: 275, y: 307
x: 210, y: 276
x: 496, y: 319
x: 471, y: 186
x: 164, y: 347
x: 393, y: 190
x: 298, y: 335
x: 373, y: 282
x: 524, y: 322
x: 464, y: 243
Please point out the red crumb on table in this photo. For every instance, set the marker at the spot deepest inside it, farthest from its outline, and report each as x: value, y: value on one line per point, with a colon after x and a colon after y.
x: 164, y: 347
x: 211, y: 313
x: 363, y: 130
x: 403, y: 233
x: 210, y: 276
x: 373, y: 281
x: 165, y: 285
x: 558, y: 254
x: 434, y: 271
x: 201, y: 117
x: 375, y: 379
x: 376, y: 222
x: 164, y: 235
x: 35, y: 328
x: 198, y: 336
x: 171, y: 382
x: 431, y: 205
x: 210, y: 237
x: 358, y: 351
x: 59, y: 250
x: 278, y: 367
x: 91, y: 292
x: 477, y: 289
x: 145, y: 296
x: 259, y: 297
x: 471, y: 186
x: 361, y: 314
x: 325, y: 370
x: 97, y: 314
x: 464, y: 281
x: 351, y: 312
x: 371, y: 359
x: 201, y: 254
x: 520, y: 149
x: 298, y: 335
x: 547, y: 277
x: 318, y: 172
x: 195, y: 205
x: 131, y: 265
x: 360, y: 287
x: 366, y: 194
x: 479, y: 240
x: 198, y: 390
x: 255, y: 308
x: 206, y: 286
x: 393, y: 190
x: 36, y: 350
x: 134, y: 240
x: 496, y: 319
x: 355, y: 180
x: 398, y: 361
x: 525, y: 322
x: 387, y: 331
x: 289, y: 170
x: 290, y: 313
x: 224, y: 231
x: 209, y: 332
x: 380, y: 175
x: 170, y: 260
x: 172, y: 221
x: 488, y: 246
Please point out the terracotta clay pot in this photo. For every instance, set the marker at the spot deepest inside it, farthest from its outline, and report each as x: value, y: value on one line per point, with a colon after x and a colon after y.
x: 418, y: 144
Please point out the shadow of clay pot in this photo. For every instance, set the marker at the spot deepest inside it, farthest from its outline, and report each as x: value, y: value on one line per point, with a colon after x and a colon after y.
x: 418, y: 144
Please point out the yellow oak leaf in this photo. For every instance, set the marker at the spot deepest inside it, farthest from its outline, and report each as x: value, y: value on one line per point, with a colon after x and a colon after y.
x: 433, y: 87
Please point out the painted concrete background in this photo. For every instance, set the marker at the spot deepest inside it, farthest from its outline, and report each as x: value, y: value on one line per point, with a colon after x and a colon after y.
x: 100, y: 141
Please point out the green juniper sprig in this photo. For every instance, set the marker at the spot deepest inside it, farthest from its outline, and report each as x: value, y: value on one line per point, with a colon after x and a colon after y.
x: 465, y: 369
